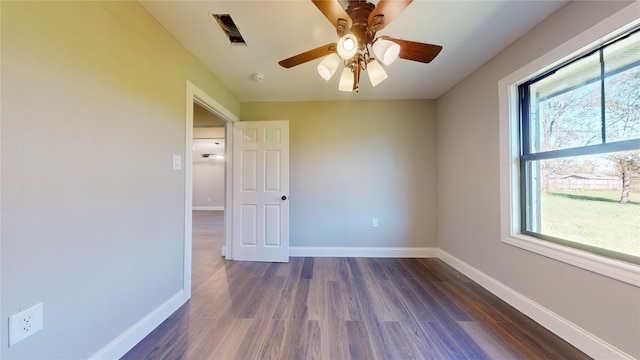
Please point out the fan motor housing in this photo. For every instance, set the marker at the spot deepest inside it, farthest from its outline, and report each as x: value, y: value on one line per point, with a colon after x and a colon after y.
x: 359, y: 13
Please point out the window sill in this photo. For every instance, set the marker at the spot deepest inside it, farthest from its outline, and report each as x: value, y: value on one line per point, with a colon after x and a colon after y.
x: 621, y: 271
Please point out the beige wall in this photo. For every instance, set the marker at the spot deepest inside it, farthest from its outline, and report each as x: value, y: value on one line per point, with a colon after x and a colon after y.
x: 93, y: 108
x: 469, y: 193
x: 353, y: 161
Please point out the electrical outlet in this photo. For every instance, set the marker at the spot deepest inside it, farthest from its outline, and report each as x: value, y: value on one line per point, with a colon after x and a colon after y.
x: 25, y: 323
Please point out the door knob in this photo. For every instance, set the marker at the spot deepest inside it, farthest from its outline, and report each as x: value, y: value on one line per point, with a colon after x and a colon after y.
x: 283, y: 197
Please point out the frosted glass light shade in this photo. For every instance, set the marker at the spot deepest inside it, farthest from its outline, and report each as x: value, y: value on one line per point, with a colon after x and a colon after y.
x: 386, y: 51
x: 347, y: 46
x: 346, y: 80
x: 328, y: 66
x: 376, y: 73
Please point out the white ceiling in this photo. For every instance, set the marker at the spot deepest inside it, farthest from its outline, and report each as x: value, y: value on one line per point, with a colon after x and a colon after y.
x: 471, y: 32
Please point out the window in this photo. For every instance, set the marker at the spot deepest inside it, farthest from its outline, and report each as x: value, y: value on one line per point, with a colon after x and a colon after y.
x: 565, y: 119
x: 580, y: 152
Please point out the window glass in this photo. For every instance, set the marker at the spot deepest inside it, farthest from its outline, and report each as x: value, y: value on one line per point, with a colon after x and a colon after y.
x: 565, y: 107
x: 580, y: 152
x: 621, y: 89
x: 579, y: 200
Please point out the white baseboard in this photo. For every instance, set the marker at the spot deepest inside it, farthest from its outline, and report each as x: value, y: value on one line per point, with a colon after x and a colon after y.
x: 207, y: 207
x: 119, y: 346
x: 570, y: 332
x: 381, y: 252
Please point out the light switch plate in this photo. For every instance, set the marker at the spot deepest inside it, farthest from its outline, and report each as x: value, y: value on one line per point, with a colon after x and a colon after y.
x: 177, y: 162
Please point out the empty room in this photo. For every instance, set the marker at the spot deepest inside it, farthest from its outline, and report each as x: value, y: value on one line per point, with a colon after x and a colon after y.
x: 320, y: 179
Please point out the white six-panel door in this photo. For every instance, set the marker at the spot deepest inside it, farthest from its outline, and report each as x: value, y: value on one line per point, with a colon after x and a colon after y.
x: 261, y: 191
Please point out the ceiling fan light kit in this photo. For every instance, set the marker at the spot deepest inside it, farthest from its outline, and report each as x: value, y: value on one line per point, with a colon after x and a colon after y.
x: 346, y: 80
x: 328, y: 66
x: 387, y: 51
x: 376, y: 73
x: 356, y: 27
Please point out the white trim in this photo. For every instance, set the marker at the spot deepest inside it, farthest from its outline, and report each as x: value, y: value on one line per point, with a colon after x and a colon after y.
x: 188, y: 190
x: 375, y: 252
x: 228, y: 195
x: 618, y: 270
x: 208, y: 208
x: 618, y: 23
x: 124, y: 342
x: 570, y: 332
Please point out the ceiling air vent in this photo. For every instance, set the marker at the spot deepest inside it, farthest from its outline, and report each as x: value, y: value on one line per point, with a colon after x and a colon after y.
x: 229, y: 27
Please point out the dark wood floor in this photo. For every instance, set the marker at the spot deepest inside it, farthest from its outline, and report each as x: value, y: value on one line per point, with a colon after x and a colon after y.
x: 340, y: 308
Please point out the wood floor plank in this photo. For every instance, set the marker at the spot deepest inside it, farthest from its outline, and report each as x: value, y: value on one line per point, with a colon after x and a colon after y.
x: 377, y: 332
x: 429, y: 292
x: 211, y: 299
x: 339, y: 308
x: 274, y: 338
x: 401, y: 314
x: 413, y: 303
x: 336, y: 304
x: 452, y: 341
x: 495, y: 347
x: 285, y: 303
x: 266, y: 306
x: 354, y: 268
x: 254, y: 338
x: 336, y: 333
x: 400, y: 343
x: 317, y: 301
x: 312, y: 336
x: 204, y: 346
x: 381, y: 304
x: 307, y: 268
x: 229, y: 345
x: 359, y: 341
x: 321, y: 269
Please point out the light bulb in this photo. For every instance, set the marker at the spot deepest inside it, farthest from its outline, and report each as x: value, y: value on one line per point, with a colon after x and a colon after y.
x: 347, y: 46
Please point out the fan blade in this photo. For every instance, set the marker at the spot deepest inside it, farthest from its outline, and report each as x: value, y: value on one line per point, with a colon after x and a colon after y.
x: 385, y: 11
x: 333, y: 11
x: 308, y: 55
x: 415, y: 51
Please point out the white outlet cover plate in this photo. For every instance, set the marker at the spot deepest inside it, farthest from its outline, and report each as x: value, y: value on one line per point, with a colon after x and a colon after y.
x: 25, y: 323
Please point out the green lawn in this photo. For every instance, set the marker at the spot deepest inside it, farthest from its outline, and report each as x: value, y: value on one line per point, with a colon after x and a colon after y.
x: 594, y: 218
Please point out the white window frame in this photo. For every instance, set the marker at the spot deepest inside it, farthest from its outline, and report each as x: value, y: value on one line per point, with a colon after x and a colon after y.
x: 619, y: 23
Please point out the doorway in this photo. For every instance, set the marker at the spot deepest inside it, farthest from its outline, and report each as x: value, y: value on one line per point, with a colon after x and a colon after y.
x: 221, y: 129
x: 208, y: 193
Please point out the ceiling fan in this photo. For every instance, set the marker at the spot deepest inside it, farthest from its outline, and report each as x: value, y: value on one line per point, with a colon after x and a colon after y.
x: 357, y: 26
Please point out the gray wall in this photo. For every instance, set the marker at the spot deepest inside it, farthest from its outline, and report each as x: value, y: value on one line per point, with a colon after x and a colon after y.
x: 93, y: 108
x: 469, y: 193
x: 353, y: 161
x: 208, y: 183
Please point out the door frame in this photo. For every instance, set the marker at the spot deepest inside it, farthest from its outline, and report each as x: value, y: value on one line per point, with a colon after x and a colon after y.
x: 195, y: 95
